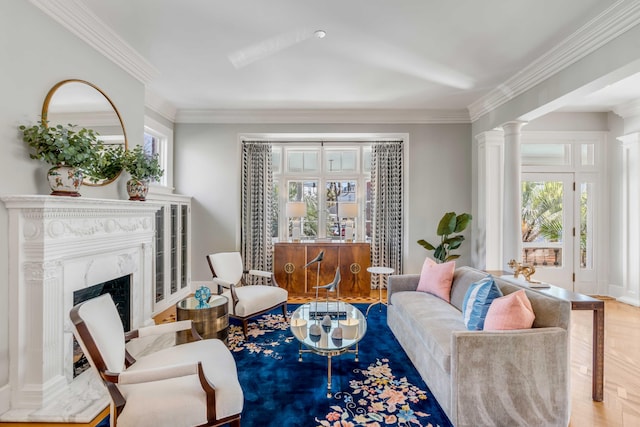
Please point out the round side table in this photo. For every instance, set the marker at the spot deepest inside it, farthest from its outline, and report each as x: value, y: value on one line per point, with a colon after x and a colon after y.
x: 380, y: 271
x: 211, y: 321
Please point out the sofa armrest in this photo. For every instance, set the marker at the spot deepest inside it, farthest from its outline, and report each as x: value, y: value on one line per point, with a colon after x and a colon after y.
x: 510, y: 377
x: 401, y: 283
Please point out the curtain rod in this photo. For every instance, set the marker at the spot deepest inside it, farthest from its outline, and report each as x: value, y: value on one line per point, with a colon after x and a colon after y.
x: 265, y: 141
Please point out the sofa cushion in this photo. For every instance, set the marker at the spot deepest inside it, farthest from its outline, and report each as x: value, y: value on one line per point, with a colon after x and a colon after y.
x: 432, y: 321
x: 477, y: 300
x: 436, y: 278
x: 511, y: 311
x: 463, y: 278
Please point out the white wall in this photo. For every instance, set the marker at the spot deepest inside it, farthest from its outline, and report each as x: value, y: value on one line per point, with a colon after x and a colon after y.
x: 36, y: 53
x: 616, y: 180
x: 207, y: 165
x: 571, y: 122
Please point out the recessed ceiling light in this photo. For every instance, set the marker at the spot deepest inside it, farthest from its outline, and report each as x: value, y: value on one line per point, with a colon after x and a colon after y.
x: 320, y: 34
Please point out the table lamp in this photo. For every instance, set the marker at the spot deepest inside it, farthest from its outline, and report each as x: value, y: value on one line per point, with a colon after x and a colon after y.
x: 348, y: 211
x: 296, y: 210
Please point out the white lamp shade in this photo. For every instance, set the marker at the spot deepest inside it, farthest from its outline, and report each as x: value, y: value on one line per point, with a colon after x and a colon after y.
x: 296, y: 209
x: 347, y: 210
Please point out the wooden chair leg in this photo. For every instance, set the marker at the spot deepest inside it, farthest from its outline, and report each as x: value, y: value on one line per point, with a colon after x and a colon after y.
x: 245, y: 329
x: 235, y: 423
x: 284, y: 311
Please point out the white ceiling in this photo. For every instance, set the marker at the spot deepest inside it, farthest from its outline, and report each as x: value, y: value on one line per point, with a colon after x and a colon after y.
x: 378, y: 54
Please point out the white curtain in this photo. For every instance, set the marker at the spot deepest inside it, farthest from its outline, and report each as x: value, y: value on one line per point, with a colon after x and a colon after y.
x: 257, y: 183
x: 387, y: 190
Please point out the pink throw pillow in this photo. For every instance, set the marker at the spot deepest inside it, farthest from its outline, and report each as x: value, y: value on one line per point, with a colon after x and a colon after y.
x: 436, y: 278
x: 509, y: 312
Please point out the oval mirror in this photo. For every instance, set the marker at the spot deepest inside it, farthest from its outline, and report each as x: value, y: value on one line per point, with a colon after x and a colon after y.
x: 83, y: 104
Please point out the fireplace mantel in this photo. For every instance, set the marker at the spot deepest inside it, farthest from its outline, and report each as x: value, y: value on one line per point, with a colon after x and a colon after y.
x: 59, y: 245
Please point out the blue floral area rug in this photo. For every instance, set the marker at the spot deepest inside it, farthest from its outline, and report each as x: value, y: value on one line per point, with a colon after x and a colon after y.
x: 382, y: 389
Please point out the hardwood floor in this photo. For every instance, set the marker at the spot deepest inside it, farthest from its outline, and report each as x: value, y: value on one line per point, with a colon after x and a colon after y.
x: 621, y: 405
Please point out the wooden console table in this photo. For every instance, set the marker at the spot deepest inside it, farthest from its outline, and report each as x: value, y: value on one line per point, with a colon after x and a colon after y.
x: 582, y: 302
x: 352, y: 258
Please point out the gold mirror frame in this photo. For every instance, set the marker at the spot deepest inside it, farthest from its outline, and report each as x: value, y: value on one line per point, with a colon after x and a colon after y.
x: 68, y: 109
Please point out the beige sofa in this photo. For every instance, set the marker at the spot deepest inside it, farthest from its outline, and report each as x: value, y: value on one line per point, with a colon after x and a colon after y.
x: 483, y: 378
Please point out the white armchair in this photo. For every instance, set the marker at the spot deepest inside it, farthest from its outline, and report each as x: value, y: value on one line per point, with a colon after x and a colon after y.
x: 245, y: 301
x: 193, y: 384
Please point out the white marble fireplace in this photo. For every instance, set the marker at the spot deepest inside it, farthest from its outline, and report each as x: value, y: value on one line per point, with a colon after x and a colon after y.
x: 59, y: 245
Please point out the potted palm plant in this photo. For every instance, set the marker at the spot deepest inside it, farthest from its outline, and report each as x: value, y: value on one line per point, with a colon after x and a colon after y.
x: 449, y: 224
x: 143, y: 169
x: 68, y: 149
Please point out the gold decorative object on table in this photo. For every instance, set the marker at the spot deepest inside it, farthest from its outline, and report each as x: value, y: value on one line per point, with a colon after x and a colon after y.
x: 525, y: 269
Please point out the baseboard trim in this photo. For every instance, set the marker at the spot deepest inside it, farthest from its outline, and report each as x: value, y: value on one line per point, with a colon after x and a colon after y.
x: 5, y: 398
x: 631, y: 301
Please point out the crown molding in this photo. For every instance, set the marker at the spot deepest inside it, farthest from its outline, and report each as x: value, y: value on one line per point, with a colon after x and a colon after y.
x: 324, y: 116
x: 617, y: 19
x: 628, y: 109
x: 158, y: 104
x: 77, y: 18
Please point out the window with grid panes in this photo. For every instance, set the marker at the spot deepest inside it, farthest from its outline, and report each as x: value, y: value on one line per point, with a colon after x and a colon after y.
x: 322, y: 176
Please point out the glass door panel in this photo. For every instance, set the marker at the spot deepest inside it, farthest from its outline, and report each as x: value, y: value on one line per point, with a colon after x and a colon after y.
x: 585, y: 218
x: 336, y: 193
x: 305, y: 191
x: 547, y: 227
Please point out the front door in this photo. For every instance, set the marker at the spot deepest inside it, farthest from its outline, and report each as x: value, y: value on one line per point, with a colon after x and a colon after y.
x: 548, y: 226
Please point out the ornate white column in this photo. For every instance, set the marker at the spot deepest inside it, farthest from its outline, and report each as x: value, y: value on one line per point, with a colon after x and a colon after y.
x: 511, y: 220
x: 490, y: 184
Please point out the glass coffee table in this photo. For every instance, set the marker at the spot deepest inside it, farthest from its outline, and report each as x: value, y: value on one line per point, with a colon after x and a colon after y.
x: 322, y: 340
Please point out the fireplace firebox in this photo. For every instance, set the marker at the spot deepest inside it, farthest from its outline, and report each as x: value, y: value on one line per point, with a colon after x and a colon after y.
x: 120, y: 291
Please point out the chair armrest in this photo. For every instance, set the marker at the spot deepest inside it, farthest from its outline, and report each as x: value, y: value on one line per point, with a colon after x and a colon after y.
x: 219, y: 282
x: 401, y: 283
x: 266, y: 274
x: 260, y: 273
x: 231, y: 287
x: 164, y: 328
x: 164, y: 373
x: 490, y: 368
x: 157, y: 374
x: 161, y: 329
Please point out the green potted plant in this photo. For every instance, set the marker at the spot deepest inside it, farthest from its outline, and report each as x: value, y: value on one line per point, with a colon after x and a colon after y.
x: 68, y: 149
x: 106, y: 166
x: 143, y: 168
x: 449, y: 224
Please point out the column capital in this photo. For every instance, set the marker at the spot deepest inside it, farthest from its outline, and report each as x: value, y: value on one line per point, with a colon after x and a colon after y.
x: 490, y: 137
x: 630, y: 139
x: 513, y: 128
x: 628, y: 110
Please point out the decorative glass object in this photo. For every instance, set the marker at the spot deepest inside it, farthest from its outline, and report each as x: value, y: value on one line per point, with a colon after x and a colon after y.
x: 202, y: 295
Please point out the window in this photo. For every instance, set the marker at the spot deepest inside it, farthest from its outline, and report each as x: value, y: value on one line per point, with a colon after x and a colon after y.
x: 323, y: 177
x: 158, y: 139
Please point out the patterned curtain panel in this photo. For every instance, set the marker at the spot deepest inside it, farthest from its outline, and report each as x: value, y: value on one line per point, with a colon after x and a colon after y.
x: 257, y: 183
x: 386, y: 185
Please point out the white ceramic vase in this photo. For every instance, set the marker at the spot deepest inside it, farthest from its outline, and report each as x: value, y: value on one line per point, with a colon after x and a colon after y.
x: 137, y: 189
x: 65, y: 181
